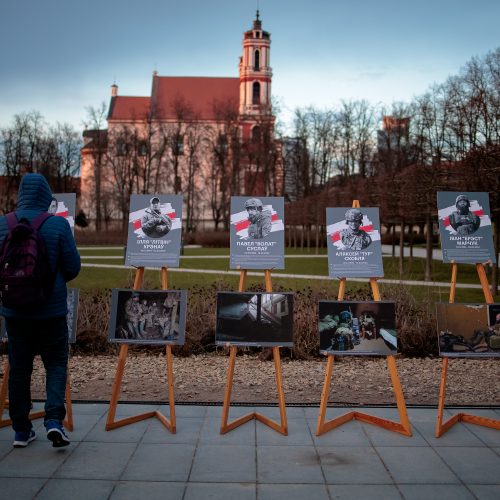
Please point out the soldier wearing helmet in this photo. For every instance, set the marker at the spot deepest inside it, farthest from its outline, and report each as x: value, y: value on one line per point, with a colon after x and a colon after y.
x: 153, y: 223
x: 352, y: 237
x: 462, y: 220
x: 260, y: 219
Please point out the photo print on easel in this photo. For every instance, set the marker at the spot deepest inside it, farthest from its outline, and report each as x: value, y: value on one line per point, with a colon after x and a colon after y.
x: 353, y: 240
x: 257, y: 233
x: 358, y: 328
x: 468, y: 330
x: 154, y: 231
x: 254, y: 319
x: 71, y: 318
x: 465, y: 227
x: 148, y: 316
x: 64, y: 205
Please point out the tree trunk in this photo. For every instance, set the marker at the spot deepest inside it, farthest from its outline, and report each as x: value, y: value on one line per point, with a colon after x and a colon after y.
x: 428, y: 249
x: 393, y: 231
x: 302, y: 237
x: 317, y: 238
x: 411, y: 244
x: 401, y: 247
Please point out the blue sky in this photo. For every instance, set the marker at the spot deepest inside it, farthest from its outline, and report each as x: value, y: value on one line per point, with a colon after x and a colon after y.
x: 59, y: 56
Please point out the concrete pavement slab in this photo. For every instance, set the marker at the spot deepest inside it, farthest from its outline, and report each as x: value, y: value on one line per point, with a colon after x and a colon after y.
x: 490, y: 437
x: 435, y: 492
x: 382, y: 437
x: 83, y: 424
x: 458, y: 435
x: 91, y: 460
x: 224, y: 464
x: 357, y: 491
x: 90, y: 409
x: 349, y: 434
x: 234, y: 411
x: 220, y: 491
x: 485, y: 491
x: 76, y: 489
x: 26, y: 489
x: 298, y: 434
x: 128, y: 434
x: 416, y: 465
x: 210, y: 433
x: 288, y: 464
x: 132, y: 490
x: 187, y: 432
x: 160, y: 462
x: 472, y: 465
x: 292, y: 491
x: 185, y: 411
x: 352, y: 465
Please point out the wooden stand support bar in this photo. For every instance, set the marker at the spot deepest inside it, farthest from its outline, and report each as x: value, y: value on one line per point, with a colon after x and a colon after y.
x: 402, y: 427
x: 170, y: 424
x: 282, y: 427
x: 441, y: 427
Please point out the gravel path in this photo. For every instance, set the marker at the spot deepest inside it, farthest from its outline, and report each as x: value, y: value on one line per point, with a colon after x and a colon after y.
x: 355, y: 380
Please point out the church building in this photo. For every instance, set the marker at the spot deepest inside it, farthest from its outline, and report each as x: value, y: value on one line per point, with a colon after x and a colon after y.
x: 207, y: 138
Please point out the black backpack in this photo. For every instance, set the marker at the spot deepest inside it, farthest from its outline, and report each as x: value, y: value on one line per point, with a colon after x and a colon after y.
x: 25, y: 275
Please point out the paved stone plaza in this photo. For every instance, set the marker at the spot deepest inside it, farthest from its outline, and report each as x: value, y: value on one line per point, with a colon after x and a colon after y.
x: 144, y: 460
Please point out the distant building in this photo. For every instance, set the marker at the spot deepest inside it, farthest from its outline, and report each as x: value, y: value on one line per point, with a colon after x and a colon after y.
x: 203, y: 137
x: 393, y: 142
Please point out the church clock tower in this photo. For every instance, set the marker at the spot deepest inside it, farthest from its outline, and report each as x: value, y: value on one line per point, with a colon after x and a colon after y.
x: 255, y: 74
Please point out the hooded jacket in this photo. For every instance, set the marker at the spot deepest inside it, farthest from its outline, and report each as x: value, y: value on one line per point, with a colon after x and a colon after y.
x: 34, y: 197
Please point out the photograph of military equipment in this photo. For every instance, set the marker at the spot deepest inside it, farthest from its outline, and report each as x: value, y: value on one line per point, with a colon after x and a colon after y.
x: 468, y: 330
x: 142, y: 317
x: 254, y: 319
x: 364, y: 328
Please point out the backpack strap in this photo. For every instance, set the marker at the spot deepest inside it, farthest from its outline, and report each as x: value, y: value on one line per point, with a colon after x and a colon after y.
x: 11, y: 220
x: 37, y: 222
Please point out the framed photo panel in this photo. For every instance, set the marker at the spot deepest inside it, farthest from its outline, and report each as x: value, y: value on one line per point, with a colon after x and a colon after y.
x: 465, y: 227
x: 468, y: 330
x: 257, y: 233
x: 357, y: 328
x: 148, y: 316
x: 353, y: 241
x: 154, y: 230
x: 254, y: 319
x: 64, y: 205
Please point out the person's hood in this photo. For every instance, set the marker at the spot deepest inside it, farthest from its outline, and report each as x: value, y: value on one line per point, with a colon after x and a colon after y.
x: 34, y: 193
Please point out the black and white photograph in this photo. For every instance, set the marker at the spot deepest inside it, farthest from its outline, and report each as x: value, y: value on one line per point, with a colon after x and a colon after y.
x: 64, y: 205
x: 468, y: 330
x: 154, y: 230
x: 148, y: 316
x: 465, y: 227
x: 358, y: 328
x: 254, y: 319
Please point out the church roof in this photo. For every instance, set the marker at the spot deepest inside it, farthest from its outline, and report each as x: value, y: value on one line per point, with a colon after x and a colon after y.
x: 174, y: 97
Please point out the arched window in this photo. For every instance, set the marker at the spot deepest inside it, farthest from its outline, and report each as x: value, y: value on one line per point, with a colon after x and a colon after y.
x: 256, y: 93
x: 256, y: 60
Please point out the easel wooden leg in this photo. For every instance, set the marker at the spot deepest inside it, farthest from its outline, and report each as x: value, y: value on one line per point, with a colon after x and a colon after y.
x: 68, y: 421
x: 341, y: 293
x: 3, y: 394
x: 484, y: 283
x: 400, y: 399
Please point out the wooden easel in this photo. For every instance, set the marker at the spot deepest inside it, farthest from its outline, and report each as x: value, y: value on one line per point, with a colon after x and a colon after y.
x: 111, y: 423
x: 4, y: 404
x: 282, y: 427
x: 441, y: 427
x: 402, y: 427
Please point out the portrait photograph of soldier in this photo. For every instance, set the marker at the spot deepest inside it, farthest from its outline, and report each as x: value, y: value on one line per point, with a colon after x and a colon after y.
x: 353, y: 237
x: 153, y: 223
x: 64, y: 205
x: 468, y: 330
x: 53, y: 206
x: 462, y: 220
x: 254, y: 319
x: 148, y: 317
x: 362, y: 328
x: 260, y: 219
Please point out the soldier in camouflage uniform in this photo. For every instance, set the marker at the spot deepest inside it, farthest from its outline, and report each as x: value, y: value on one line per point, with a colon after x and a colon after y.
x: 463, y: 221
x: 133, y: 313
x: 344, y: 335
x: 260, y: 219
x: 353, y: 237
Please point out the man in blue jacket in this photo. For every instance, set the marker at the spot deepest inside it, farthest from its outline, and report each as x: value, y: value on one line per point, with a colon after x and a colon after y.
x: 43, y: 329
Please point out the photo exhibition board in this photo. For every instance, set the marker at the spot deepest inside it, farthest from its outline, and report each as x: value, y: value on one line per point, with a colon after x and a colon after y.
x: 465, y: 227
x: 353, y: 241
x: 71, y: 318
x: 357, y: 328
x: 64, y: 205
x: 148, y: 317
x: 154, y: 230
x: 257, y: 232
x: 468, y: 330
x: 254, y: 319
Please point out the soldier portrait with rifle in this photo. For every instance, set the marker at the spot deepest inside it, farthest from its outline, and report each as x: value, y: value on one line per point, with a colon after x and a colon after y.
x: 352, y: 237
x: 153, y: 223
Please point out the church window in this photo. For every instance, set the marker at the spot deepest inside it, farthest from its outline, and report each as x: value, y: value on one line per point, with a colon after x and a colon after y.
x: 121, y: 148
x: 256, y: 93
x: 142, y: 149
x: 178, y: 146
x: 256, y: 65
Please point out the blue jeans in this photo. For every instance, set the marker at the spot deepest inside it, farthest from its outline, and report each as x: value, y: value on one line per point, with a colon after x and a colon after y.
x: 27, y: 338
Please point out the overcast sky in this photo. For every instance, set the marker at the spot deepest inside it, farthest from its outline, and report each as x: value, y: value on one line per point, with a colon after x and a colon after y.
x: 59, y: 56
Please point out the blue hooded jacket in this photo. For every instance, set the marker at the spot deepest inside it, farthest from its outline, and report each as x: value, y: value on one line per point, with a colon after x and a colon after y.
x: 34, y: 197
